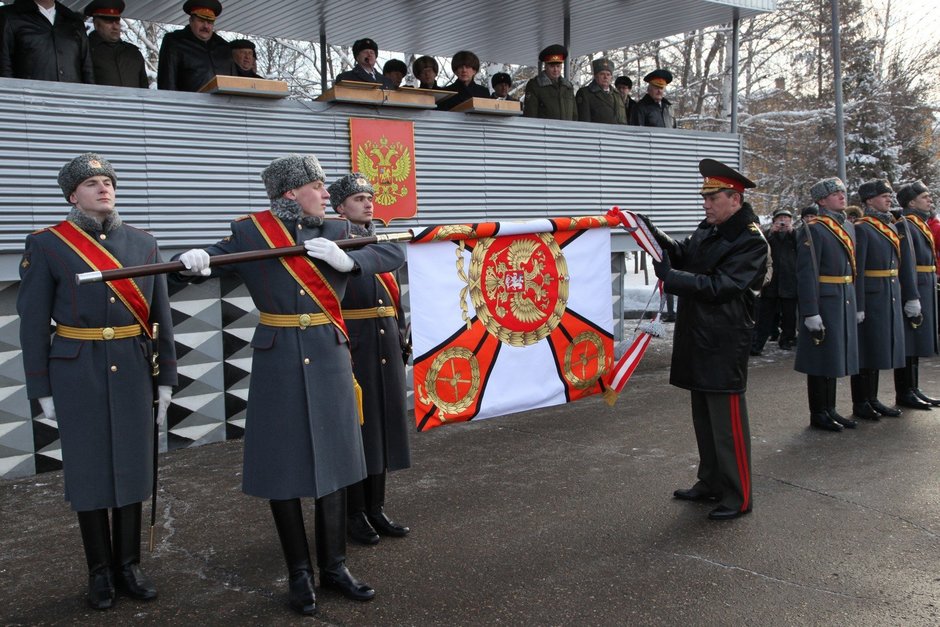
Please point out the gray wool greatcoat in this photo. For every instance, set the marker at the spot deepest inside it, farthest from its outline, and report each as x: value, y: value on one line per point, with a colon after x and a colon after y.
x: 102, y: 389
x: 881, y: 333
x: 922, y: 341
x: 376, y: 345
x: 837, y: 355
x: 302, y: 436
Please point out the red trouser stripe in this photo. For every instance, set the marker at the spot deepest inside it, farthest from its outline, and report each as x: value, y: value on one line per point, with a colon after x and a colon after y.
x: 740, y: 450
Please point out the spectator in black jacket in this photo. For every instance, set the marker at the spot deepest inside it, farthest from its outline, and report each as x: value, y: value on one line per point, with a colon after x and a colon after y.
x: 624, y: 85
x: 465, y: 66
x: 116, y: 62
x: 194, y: 55
x: 395, y: 70
x: 653, y: 109
x: 366, y: 53
x: 245, y: 58
x: 778, y: 298
x: 43, y: 40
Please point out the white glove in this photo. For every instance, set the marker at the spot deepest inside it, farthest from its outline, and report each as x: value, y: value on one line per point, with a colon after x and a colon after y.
x: 912, y: 308
x: 164, y: 396
x: 328, y: 251
x: 814, y: 323
x: 48, y: 407
x: 859, y: 317
x: 196, y: 261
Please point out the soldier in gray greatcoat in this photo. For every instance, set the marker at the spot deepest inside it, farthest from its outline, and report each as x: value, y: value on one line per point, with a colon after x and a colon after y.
x: 373, y: 313
x: 920, y: 334
x: 302, y: 433
x: 878, y: 296
x: 598, y: 101
x: 94, y: 378
x: 550, y: 95
x: 825, y: 270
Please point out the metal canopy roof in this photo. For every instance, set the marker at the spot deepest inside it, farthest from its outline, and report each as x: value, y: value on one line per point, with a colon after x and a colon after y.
x: 498, y: 31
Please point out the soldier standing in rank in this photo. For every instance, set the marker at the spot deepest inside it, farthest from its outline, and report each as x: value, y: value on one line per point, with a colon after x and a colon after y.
x: 116, y: 62
x: 302, y: 433
x: 373, y: 313
x: 550, y: 95
x: 825, y: 273
x: 920, y: 333
x: 95, y: 377
x: 598, y: 101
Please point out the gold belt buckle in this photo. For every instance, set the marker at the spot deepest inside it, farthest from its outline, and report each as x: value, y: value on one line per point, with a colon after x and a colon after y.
x: 304, y: 321
x: 380, y: 311
x: 107, y: 333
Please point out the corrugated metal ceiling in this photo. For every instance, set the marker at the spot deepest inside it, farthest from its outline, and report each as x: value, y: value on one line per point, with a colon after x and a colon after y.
x: 507, y: 31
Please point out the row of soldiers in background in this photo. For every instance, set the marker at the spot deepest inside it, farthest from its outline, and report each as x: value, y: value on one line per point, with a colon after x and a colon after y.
x: 866, y: 293
x: 44, y: 40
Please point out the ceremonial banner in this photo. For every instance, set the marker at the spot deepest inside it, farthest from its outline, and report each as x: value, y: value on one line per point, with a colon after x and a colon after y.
x: 509, y: 316
x: 384, y: 151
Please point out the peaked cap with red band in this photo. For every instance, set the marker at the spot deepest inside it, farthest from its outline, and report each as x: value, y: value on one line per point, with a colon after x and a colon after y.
x: 718, y: 176
x: 206, y: 9
x: 104, y: 8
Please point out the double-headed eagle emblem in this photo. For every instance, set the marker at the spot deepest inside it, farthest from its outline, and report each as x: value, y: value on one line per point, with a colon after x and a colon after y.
x: 387, y: 166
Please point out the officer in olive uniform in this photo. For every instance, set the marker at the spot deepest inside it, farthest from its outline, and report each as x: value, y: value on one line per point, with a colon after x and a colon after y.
x: 879, y: 297
x: 302, y: 434
x: 654, y: 109
x: 192, y: 56
x: 373, y: 313
x: 716, y: 273
x: 550, y: 95
x: 598, y: 101
x: 95, y: 376
x: 825, y: 273
x: 366, y: 53
x: 116, y: 62
x: 920, y: 332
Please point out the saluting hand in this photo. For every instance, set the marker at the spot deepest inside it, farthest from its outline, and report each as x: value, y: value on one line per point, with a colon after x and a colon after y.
x: 328, y: 251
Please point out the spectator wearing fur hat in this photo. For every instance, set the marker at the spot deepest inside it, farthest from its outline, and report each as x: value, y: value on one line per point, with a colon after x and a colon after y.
x: 302, y: 432
x: 43, y: 40
x: 395, y: 70
x: 920, y: 331
x: 425, y: 70
x: 598, y: 101
x: 778, y: 297
x: 501, y: 83
x: 245, y: 57
x: 884, y: 290
x: 193, y: 55
x: 116, y: 62
x: 550, y: 95
x: 93, y: 380
x: 624, y: 85
x: 654, y: 109
x: 365, y: 52
x: 374, y: 315
x: 825, y: 267
x: 465, y: 66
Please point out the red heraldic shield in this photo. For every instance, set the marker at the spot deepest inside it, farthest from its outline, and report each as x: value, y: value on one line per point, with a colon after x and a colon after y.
x: 384, y: 152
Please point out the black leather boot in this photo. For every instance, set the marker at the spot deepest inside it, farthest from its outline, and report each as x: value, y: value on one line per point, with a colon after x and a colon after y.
x: 861, y: 407
x: 817, y: 393
x: 289, y: 520
x: 125, y: 534
x: 904, y: 387
x: 375, y: 508
x: 357, y: 525
x: 915, y: 365
x: 96, y: 538
x: 877, y: 405
x: 331, y: 548
x: 848, y: 423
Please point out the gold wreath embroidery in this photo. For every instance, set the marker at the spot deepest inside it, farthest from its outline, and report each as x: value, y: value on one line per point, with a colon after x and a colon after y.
x: 449, y: 371
x: 387, y: 166
x: 586, y: 350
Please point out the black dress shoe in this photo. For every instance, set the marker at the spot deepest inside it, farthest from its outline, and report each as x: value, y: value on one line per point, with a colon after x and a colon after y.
x: 821, y: 420
x: 910, y: 400
x: 386, y: 526
x: 340, y: 578
x: 134, y: 583
x: 883, y: 409
x: 695, y: 494
x: 101, y: 589
x: 932, y: 401
x: 865, y: 411
x: 359, y: 530
x: 848, y: 423
x: 723, y: 512
x: 302, y: 598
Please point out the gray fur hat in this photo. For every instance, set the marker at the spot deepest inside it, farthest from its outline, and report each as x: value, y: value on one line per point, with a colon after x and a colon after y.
x: 346, y: 186
x: 290, y: 172
x: 82, y: 167
x: 823, y: 188
x: 909, y: 192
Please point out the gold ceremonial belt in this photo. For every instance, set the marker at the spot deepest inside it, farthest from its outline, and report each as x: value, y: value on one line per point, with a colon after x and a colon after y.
x: 880, y: 274
x: 926, y: 268
x: 294, y: 320
x: 835, y: 279
x: 98, y: 333
x: 371, y: 312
